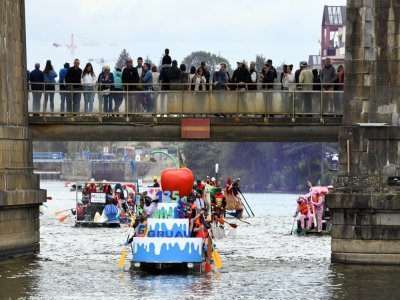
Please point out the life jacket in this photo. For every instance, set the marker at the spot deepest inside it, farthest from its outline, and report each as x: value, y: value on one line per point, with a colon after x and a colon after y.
x: 303, y: 208
x: 314, y: 198
x: 107, y: 189
x: 92, y: 188
x: 218, y: 200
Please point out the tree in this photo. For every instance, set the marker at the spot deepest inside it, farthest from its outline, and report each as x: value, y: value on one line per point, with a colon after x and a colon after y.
x: 121, y: 62
x: 148, y: 60
x: 212, y: 60
x: 260, y: 61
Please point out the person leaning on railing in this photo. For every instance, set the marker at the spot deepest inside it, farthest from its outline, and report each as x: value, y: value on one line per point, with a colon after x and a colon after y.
x: 147, y: 81
x: 220, y: 78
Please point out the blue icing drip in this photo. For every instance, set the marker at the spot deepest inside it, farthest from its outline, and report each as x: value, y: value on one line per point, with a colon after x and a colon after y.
x: 177, y: 231
x: 172, y: 254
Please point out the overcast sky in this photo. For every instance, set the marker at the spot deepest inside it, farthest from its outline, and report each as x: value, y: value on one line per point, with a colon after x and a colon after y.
x: 285, y: 31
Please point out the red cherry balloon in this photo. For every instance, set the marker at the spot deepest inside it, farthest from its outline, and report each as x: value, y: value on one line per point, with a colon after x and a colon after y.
x: 177, y: 179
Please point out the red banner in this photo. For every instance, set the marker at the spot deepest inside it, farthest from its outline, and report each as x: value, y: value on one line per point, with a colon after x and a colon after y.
x: 195, y: 128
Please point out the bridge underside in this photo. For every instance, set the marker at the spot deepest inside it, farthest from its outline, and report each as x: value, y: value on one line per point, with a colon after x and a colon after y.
x: 222, y: 129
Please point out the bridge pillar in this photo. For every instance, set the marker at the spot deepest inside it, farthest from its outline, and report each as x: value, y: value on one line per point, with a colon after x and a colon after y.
x: 20, y: 195
x: 366, y: 201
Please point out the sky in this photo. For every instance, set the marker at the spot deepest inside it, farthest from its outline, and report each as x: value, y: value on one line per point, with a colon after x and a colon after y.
x: 285, y: 31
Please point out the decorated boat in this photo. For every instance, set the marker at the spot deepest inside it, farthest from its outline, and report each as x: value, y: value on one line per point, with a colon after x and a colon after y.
x: 163, y: 242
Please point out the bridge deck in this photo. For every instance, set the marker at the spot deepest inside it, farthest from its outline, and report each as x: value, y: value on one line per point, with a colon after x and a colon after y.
x: 234, y: 116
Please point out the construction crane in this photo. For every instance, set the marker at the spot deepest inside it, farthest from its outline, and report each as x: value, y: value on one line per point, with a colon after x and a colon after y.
x: 72, y: 46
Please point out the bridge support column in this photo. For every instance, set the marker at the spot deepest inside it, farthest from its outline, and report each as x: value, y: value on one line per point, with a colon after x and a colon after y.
x: 20, y: 195
x: 366, y: 201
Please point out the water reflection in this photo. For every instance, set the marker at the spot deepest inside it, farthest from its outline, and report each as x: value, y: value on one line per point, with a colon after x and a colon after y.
x: 262, y: 261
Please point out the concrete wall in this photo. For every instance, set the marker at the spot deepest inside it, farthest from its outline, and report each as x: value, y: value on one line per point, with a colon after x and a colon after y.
x: 366, y: 210
x: 20, y: 195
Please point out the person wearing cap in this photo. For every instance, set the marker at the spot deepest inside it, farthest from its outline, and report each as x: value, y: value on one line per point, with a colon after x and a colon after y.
x: 253, y: 77
x: 213, y: 182
x: 306, y: 80
x: 220, y: 78
x: 155, y: 182
x: 241, y: 76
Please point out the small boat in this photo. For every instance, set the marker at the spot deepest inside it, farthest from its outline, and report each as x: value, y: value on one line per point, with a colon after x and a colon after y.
x: 326, y: 228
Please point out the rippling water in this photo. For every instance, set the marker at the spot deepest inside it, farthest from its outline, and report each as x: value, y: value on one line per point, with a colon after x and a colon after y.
x: 262, y: 261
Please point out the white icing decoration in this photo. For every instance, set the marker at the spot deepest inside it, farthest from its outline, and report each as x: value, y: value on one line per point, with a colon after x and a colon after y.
x: 169, y: 223
x: 159, y: 242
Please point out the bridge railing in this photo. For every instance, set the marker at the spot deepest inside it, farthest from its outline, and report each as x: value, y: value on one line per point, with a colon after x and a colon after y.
x: 145, y: 100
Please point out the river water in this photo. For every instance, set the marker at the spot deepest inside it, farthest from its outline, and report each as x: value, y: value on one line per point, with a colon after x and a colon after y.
x: 260, y: 261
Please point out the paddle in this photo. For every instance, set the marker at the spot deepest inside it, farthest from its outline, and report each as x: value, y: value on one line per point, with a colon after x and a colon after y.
x: 217, y: 260
x: 63, y: 218
x: 123, y: 255
x: 222, y: 221
x: 246, y: 203
x: 122, y: 259
x: 233, y: 215
x: 60, y: 211
x: 291, y: 231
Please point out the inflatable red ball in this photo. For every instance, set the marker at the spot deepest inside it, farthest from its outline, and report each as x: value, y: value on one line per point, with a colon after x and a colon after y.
x: 177, y: 179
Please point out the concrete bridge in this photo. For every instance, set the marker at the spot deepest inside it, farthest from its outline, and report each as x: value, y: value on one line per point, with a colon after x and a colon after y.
x: 259, y: 115
x: 366, y: 202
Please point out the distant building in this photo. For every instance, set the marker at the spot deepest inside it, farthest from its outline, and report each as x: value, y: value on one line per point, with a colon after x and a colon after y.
x: 333, y: 34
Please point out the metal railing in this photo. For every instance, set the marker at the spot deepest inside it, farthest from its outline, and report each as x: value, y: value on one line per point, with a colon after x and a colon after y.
x: 145, y: 100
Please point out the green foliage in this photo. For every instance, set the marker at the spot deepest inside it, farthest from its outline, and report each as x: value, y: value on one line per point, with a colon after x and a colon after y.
x: 212, y: 60
x: 121, y: 62
x: 260, y: 61
x: 282, y: 166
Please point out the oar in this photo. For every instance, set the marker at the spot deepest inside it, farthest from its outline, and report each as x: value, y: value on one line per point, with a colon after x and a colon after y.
x: 217, y: 260
x: 122, y: 259
x: 123, y: 256
x: 63, y: 218
x: 222, y: 221
x: 60, y: 211
x: 291, y: 231
x: 246, y: 202
x: 233, y: 215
